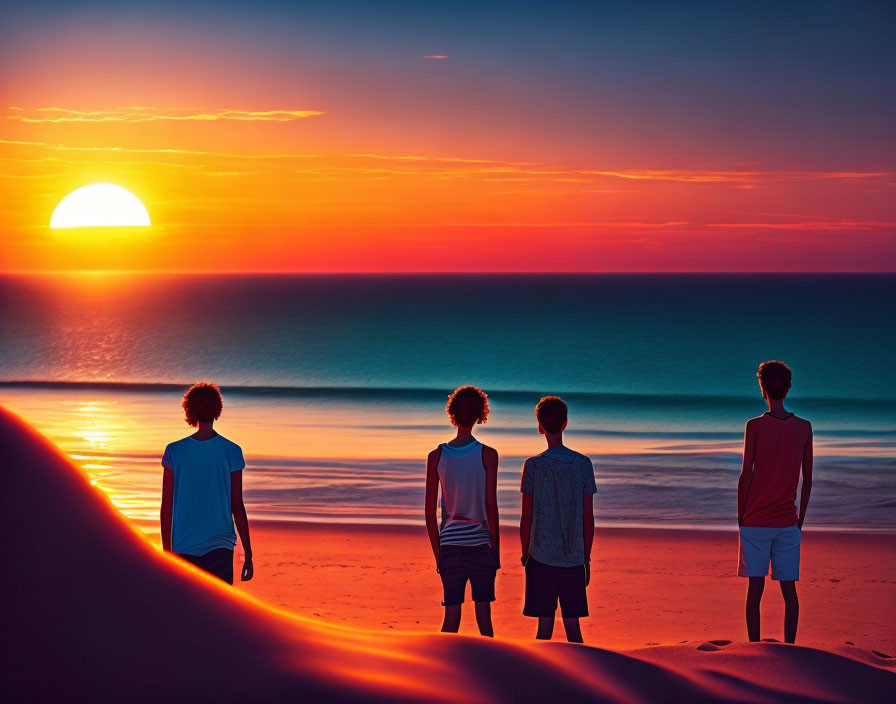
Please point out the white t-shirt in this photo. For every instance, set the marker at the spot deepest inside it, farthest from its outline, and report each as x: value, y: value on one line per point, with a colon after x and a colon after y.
x: 202, y: 520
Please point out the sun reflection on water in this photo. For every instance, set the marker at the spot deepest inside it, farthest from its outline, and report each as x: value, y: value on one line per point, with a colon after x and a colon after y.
x: 111, y: 443
x: 341, y: 462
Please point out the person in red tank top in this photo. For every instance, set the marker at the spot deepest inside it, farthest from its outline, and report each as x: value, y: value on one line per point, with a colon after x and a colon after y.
x: 777, y: 449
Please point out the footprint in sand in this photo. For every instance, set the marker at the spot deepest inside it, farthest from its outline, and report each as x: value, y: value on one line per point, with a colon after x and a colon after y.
x: 712, y: 645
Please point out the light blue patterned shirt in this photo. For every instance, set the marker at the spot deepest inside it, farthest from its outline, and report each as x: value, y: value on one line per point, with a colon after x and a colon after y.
x: 558, y: 479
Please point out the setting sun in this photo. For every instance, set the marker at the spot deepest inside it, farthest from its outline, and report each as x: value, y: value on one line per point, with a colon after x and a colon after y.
x: 100, y: 204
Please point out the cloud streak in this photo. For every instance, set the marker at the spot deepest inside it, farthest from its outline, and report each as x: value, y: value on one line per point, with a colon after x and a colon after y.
x: 154, y: 114
x: 700, y: 176
x: 817, y: 224
x: 448, y: 167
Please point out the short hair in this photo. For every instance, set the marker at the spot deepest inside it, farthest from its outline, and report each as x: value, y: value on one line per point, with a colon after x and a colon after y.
x: 774, y: 379
x: 551, y: 413
x: 202, y: 403
x: 467, y: 406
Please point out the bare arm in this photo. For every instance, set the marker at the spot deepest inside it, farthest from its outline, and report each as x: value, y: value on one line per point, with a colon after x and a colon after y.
x: 588, y: 530
x: 588, y: 523
x: 746, y: 473
x: 490, y: 462
x: 807, y: 481
x: 166, y: 511
x: 431, y: 501
x: 241, y: 520
x: 526, y: 525
x: 527, y: 487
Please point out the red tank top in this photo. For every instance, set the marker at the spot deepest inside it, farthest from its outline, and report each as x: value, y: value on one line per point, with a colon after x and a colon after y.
x: 777, y: 461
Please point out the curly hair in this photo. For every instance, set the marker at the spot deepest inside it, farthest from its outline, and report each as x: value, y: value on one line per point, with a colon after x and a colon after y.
x: 551, y: 413
x: 202, y: 403
x: 467, y: 406
x: 774, y: 378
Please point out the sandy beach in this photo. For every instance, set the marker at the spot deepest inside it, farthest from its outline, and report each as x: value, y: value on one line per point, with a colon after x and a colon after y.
x: 104, y: 615
x: 649, y: 587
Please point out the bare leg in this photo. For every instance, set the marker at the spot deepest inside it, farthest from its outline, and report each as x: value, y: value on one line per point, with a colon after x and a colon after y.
x: 573, y: 630
x: 484, y: 618
x: 545, y: 627
x: 451, y: 624
x: 754, y: 596
x: 791, y: 610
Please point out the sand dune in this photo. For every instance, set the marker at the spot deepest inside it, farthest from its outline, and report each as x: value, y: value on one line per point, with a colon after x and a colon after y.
x: 91, y: 611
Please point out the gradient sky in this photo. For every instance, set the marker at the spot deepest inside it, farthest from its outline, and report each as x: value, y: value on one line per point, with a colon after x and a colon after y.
x: 548, y: 137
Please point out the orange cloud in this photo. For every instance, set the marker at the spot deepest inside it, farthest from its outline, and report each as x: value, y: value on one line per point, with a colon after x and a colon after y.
x: 152, y: 114
x: 691, y: 176
x: 808, y: 225
x: 457, y: 167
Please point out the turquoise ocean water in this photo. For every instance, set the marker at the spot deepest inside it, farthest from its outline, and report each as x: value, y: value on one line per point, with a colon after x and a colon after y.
x: 335, y: 385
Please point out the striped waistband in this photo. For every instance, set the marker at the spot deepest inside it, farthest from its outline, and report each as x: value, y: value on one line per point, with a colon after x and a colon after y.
x: 458, y: 533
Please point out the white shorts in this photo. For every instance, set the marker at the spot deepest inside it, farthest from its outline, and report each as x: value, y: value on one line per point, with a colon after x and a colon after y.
x: 780, y: 546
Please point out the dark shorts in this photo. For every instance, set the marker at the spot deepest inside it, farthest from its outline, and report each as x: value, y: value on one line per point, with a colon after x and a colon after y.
x: 546, y: 584
x: 217, y: 562
x: 459, y: 563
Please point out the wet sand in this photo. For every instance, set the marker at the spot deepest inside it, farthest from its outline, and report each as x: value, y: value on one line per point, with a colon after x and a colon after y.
x: 648, y: 586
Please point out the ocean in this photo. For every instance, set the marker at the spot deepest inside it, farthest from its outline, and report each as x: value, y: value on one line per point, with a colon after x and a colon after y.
x: 335, y: 385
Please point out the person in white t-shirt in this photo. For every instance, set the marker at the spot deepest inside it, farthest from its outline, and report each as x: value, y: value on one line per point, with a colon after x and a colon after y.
x: 202, y: 491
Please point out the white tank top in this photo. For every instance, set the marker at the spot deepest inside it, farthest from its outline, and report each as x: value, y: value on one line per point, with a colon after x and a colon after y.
x: 462, y: 479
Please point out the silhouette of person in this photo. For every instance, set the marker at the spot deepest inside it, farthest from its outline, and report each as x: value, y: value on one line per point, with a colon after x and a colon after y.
x: 777, y: 445
x: 557, y: 526
x: 466, y: 544
x: 202, y: 491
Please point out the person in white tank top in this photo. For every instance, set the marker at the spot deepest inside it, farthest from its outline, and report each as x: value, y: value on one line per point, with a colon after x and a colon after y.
x: 465, y: 542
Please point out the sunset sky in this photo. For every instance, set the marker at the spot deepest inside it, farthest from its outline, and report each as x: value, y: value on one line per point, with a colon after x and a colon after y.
x: 413, y: 137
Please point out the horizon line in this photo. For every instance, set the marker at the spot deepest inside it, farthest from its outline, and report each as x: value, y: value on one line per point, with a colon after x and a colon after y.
x: 441, y: 272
